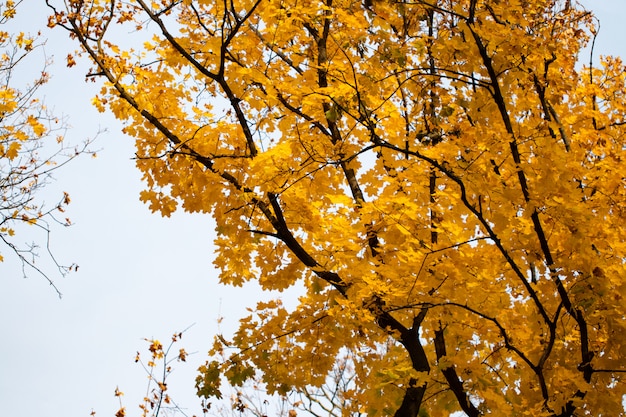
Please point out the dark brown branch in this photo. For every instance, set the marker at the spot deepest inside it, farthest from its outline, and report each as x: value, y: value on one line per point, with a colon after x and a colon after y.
x: 618, y: 371
x: 550, y: 113
x: 455, y: 383
x: 409, y: 338
x: 577, y: 314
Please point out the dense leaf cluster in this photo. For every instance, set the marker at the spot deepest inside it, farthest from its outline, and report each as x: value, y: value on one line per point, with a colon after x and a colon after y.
x: 437, y: 175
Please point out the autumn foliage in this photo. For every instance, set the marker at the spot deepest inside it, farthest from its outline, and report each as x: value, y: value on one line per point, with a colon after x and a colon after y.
x: 439, y: 178
x: 32, y: 147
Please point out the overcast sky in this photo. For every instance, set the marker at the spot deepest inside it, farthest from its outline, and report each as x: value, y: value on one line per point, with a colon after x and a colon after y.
x: 140, y: 275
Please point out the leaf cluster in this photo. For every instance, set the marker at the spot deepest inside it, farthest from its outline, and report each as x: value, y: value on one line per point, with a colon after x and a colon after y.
x: 438, y: 176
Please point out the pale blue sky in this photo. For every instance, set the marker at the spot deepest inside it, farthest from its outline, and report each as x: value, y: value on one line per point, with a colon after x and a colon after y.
x: 140, y: 275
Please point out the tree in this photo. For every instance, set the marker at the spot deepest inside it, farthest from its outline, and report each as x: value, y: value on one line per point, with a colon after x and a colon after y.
x: 436, y: 176
x: 32, y: 147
